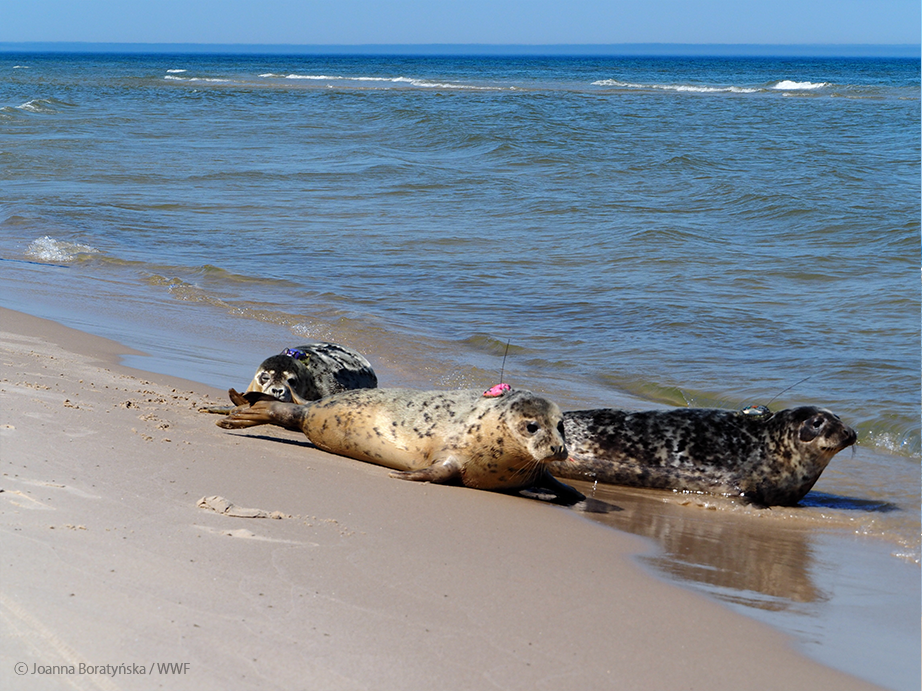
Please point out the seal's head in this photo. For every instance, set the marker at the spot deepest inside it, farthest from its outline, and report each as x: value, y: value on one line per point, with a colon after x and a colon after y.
x: 282, y: 376
x: 817, y: 433
x: 313, y: 371
x: 508, y: 440
x: 800, y: 444
x: 538, y: 425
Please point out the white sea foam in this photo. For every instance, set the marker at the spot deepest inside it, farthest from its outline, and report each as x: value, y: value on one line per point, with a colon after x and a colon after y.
x: 48, y: 249
x: 908, y: 554
x: 788, y: 85
x: 420, y: 83
x: 196, y: 79
x: 891, y: 442
x: 38, y: 105
x: 177, y: 71
x: 20, y: 67
x: 677, y: 87
x: 709, y: 89
x: 317, y: 77
x: 616, y: 83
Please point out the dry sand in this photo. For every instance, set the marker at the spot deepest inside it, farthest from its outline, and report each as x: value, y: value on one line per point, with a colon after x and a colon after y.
x: 364, y: 582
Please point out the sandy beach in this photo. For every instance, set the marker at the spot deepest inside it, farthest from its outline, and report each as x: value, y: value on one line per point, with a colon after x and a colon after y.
x: 343, y: 579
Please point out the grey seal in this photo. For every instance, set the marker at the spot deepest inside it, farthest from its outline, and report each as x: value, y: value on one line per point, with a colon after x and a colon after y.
x: 482, y: 440
x: 764, y: 457
x: 313, y: 371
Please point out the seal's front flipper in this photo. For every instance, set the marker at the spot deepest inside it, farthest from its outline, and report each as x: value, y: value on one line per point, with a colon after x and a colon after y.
x: 563, y: 494
x: 439, y: 473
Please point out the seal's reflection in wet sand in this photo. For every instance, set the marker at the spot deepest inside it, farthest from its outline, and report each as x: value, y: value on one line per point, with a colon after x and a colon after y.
x: 802, y: 569
x: 758, y: 563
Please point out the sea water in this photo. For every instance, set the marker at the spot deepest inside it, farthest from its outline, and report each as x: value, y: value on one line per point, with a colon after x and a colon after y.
x: 608, y: 231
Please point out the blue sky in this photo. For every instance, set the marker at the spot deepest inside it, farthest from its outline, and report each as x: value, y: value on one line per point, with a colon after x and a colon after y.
x: 463, y: 21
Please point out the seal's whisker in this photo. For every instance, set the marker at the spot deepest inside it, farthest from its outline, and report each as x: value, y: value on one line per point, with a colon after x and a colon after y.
x: 528, y: 471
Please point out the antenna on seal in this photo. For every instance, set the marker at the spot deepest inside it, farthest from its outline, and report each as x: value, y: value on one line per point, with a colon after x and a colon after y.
x: 501, y: 388
x: 787, y: 389
x: 761, y: 412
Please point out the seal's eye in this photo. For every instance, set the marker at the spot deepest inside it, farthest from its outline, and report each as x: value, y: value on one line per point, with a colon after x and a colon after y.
x: 812, y: 428
x: 263, y: 377
x: 532, y: 427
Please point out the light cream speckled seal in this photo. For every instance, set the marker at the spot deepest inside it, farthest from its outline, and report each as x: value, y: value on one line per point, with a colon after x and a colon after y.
x: 488, y: 442
x: 766, y: 458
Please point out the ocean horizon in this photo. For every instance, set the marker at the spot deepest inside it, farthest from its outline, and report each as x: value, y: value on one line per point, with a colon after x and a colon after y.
x: 795, y: 50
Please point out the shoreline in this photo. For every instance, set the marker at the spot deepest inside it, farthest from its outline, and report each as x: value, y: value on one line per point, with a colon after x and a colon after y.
x: 366, y: 581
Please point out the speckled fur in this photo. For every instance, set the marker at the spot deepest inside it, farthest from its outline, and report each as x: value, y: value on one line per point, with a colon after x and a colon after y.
x: 772, y: 460
x: 502, y: 443
x: 331, y: 368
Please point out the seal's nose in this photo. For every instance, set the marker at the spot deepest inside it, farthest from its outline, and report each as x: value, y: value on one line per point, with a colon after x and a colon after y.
x: 851, y: 436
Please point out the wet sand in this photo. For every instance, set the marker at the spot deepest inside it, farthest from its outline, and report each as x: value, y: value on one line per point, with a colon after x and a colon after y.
x: 359, y: 581
x: 848, y: 600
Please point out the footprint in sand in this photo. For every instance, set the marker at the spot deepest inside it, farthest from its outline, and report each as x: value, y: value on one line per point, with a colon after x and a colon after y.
x: 24, y: 501
x: 250, y: 535
x: 226, y: 508
x: 77, y: 433
x: 223, y: 506
x: 56, y: 485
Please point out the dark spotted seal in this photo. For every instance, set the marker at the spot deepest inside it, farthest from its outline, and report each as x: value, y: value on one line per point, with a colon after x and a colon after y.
x: 312, y: 371
x: 493, y: 441
x: 767, y: 458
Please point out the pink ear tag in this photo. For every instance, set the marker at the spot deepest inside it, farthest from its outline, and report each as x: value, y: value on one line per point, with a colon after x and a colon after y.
x: 497, y: 390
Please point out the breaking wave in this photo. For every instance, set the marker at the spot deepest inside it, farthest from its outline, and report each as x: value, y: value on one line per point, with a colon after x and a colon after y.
x: 47, y: 249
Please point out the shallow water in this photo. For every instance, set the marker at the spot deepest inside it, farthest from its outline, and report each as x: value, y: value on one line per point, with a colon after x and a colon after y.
x: 638, y: 232
x: 846, y: 603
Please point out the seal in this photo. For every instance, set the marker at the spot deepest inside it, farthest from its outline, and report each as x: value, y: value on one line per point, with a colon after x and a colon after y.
x: 312, y: 371
x: 494, y: 442
x: 764, y: 457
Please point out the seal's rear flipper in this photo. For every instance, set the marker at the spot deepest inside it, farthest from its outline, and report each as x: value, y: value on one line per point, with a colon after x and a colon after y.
x: 440, y: 473
x: 238, y: 399
x: 217, y: 409
x: 248, y: 398
x: 249, y: 411
x: 252, y: 409
x: 244, y: 418
x: 265, y: 410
